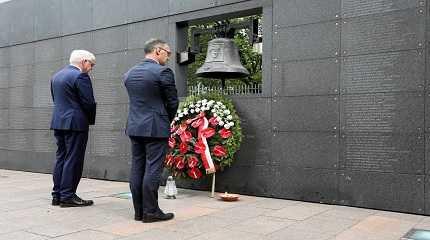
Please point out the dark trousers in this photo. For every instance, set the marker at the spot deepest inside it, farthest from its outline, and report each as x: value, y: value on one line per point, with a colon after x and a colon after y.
x: 147, y: 163
x: 69, y: 164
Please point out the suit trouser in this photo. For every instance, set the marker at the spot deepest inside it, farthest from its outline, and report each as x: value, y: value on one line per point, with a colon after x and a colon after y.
x: 69, y: 164
x: 147, y: 163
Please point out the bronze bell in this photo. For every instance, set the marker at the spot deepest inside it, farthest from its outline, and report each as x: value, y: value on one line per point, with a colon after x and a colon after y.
x: 222, y: 61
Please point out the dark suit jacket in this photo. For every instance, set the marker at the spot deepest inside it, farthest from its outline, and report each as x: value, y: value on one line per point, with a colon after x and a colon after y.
x: 153, y: 99
x: 74, y: 104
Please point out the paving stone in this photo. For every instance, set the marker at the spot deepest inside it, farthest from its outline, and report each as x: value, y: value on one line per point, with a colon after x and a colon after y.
x: 21, y: 235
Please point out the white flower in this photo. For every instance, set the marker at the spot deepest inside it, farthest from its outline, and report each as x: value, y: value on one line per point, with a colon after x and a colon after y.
x: 185, y: 113
x: 176, y: 119
x: 221, y: 123
x: 229, y: 117
x: 192, y: 111
x: 214, y: 114
x: 219, y: 103
x: 185, y: 110
x: 204, y: 100
x: 218, y: 118
x: 179, y: 111
x: 223, y: 107
x: 191, y: 105
x: 199, y: 101
x: 180, y: 115
x: 197, y: 109
x: 226, y: 126
x: 213, y: 110
x: 197, y: 105
x: 231, y: 124
x: 227, y: 111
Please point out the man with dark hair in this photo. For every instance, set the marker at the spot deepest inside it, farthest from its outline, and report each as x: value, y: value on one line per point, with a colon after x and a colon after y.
x: 153, y: 105
x: 74, y: 111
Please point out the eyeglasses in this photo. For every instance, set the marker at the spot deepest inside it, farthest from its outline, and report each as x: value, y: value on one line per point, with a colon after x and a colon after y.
x: 167, y: 51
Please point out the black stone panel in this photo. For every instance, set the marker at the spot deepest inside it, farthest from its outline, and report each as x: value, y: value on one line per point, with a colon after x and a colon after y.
x: 4, y: 77
x: 78, y: 41
x: 139, y: 33
x: 312, y: 41
x: 110, y: 39
x: 383, y: 152
x: 22, y: 54
x: 112, y: 91
x: 22, y: 26
x: 48, y: 50
x: 146, y: 9
x: 312, y: 77
x: 176, y: 7
x: 77, y: 16
x: 427, y: 153
x: 292, y: 13
x: 20, y: 97
x: 427, y: 110
x: 45, y: 71
x: 306, y: 184
x: 427, y: 196
x: 256, y: 180
x: 307, y: 113
x: 397, y: 192
x: 109, y: 143
x: 110, y: 66
x: 399, y: 30
x: 47, y: 22
x: 4, y: 120
x: 42, y: 94
x: 111, y: 117
x: 5, y: 57
x: 383, y: 112
x: 22, y: 75
x: 306, y: 149
x: 355, y: 8
x: 102, y: 13
x: 4, y: 98
x: 107, y: 167
x: 384, y: 72
x: 134, y: 56
x: 4, y: 24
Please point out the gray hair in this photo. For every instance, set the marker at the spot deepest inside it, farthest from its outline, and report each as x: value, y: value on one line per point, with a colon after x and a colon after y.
x: 78, y: 55
x: 152, y: 44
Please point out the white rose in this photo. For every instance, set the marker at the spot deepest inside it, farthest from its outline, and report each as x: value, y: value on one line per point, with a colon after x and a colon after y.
x: 223, y: 107
x: 221, y: 123
x: 185, y: 113
x: 229, y: 117
x: 218, y: 118
x: 213, y: 110
x: 197, y: 105
x: 231, y: 124
x: 191, y: 105
x: 179, y: 111
x: 192, y: 111
x: 214, y: 114
x: 176, y: 119
x: 219, y: 103
x: 180, y: 115
x: 226, y: 126
x: 199, y: 101
x: 227, y: 112
x: 197, y: 109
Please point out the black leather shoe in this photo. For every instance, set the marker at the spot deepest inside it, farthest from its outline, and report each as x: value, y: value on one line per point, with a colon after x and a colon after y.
x: 55, y: 201
x: 75, y: 202
x: 155, y: 217
x: 138, y: 217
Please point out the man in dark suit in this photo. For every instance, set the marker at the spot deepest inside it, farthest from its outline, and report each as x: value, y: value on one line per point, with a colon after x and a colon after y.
x: 153, y: 104
x: 74, y: 111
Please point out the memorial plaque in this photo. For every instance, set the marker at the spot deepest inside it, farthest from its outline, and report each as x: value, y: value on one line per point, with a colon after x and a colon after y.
x: 4, y: 98
x: 139, y: 33
x: 384, y: 72
x: 314, y: 77
x: 150, y: 9
x: 20, y: 97
x: 312, y: 41
x: 383, y: 152
x: 45, y: 71
x: 307, y: 113
x: 5, y: 57
x: 355, y: 8
x: 427, y: 153
x: 110, y: 92
x: 111, y: 117
x: 73, y: 42
x: 22, y: 26
x: 383, y: 112
x: 41, y: 118
x: 47, y: 21
x: 306, y: 149
x: 108, y: 143
x: 42, y: 94
x: 4, y: 119
x: 81, y: 8
x: 305, y: 184
x: 384, y: 191
x: 111, y: 66
x: 256, y: 180
x: 108, y: 167
x: 102, y: 13
x: 21, y: 75
x: 22, y: 54
x: 4, y: 141
x: 48, y: 50
x: 44, y: 142
x: 400, y: 30
x: 4, y: 77
x: 21, y: 118
x: 110, y: 39
x: 20, y: 140
x: 292, y: 13
x: 254, y: 111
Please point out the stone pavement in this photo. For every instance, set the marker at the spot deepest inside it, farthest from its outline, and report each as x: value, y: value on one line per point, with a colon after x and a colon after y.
x: 26, y: 213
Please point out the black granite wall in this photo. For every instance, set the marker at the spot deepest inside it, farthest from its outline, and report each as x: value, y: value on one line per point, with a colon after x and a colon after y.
x: 342, y: 117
